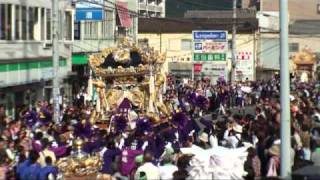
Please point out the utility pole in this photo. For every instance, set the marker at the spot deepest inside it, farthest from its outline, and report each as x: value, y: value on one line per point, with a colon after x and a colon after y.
x: 55, y: 56
x: 234, y: 32
x: 285, y: 165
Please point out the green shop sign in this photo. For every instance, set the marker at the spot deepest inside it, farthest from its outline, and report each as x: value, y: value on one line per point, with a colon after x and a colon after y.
x: 36, y: 64
x: 209, y: 57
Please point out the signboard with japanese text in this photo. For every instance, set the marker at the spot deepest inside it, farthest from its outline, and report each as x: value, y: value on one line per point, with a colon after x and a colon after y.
x: 244, y: 67
x: 214, y: 71
x: 210, y: 35
x: 210, y: 45
x: 209, y: 57
x: 210, y: 48
x: 90, y: 10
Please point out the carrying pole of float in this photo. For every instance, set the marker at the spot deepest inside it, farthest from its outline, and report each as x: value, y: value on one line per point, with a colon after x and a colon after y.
x: 285, y: 165
x: 55, y: 57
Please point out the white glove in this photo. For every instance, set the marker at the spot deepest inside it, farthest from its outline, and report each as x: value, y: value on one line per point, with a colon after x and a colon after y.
x: 169, y: 145
x: 191, y: 133
x: 145, y: 145
x: 177, y: 135
x: 121, y: 143
x: 54, y: 144
x: 125, y: 135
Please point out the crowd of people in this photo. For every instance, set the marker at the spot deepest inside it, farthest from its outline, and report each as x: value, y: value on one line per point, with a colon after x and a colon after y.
x: 203, y: 115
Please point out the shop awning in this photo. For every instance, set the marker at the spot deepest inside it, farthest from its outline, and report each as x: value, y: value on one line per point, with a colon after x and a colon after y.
x: 123, y: 14
x: 79, y: 59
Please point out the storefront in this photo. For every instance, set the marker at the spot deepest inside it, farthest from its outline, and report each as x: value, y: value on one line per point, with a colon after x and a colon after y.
x: 81, y: 72
x: 24, y: 83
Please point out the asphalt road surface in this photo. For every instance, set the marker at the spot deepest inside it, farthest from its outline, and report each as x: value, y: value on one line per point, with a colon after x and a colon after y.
x: 247, y: 110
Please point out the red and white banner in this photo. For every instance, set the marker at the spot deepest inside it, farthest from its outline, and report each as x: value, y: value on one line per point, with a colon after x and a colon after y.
x: 244, y: 55
x: 244, y: 65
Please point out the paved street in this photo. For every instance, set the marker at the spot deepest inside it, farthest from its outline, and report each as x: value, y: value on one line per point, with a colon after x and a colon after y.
x: 248, y: 110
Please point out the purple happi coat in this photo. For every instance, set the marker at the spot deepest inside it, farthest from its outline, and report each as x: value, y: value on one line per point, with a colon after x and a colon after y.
x: 31, y: 117
x: 143, y: 126
x: 128, y: 160
x: 58, y: 151
x: 45, y: 116
x: 83, y: 130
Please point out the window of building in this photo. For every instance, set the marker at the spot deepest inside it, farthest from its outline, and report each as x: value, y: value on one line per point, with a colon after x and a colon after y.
x: 186, y: 44
x: 5, y: 21
x: 77, y: 30
x: 17, y: 22
x: 87, y: 30
x: 9, y: 22
x: 90, y: 29
x: 293, y: 47
x: 36, y: 24
x: 104, y: 27
x: 68, y: 26
x: 31, y: 22
x: 107, y: 23
x: 48, y: 24
x: 230, y: 44
x: 60, y: 25
x: 2, y: 22
x: 24, y: 22
x: 43, y: 32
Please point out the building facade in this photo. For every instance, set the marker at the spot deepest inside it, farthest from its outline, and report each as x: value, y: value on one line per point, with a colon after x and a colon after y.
x: 98, y: 25
x: 26, y: 53
x: 304, y: 31
x: 152, y: 8
x: 177, y: 8
x: 174, y: 37
x: 308, y: 10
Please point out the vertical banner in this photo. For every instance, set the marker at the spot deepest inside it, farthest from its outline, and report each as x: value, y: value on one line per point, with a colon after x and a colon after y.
x: 244, y: 67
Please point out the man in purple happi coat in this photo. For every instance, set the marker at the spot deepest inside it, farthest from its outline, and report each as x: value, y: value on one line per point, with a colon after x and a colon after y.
x: 109, y: 157
x: 128, y: 156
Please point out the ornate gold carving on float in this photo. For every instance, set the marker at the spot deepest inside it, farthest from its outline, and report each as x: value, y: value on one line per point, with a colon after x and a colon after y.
x: 79, y: 163
x: 306, y: 56
x: 119, y: 75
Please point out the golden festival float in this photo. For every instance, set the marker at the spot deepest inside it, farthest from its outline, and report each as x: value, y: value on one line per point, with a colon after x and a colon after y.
x: 127, y: 72
x: 304, y: 63
x: 121, y: 73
